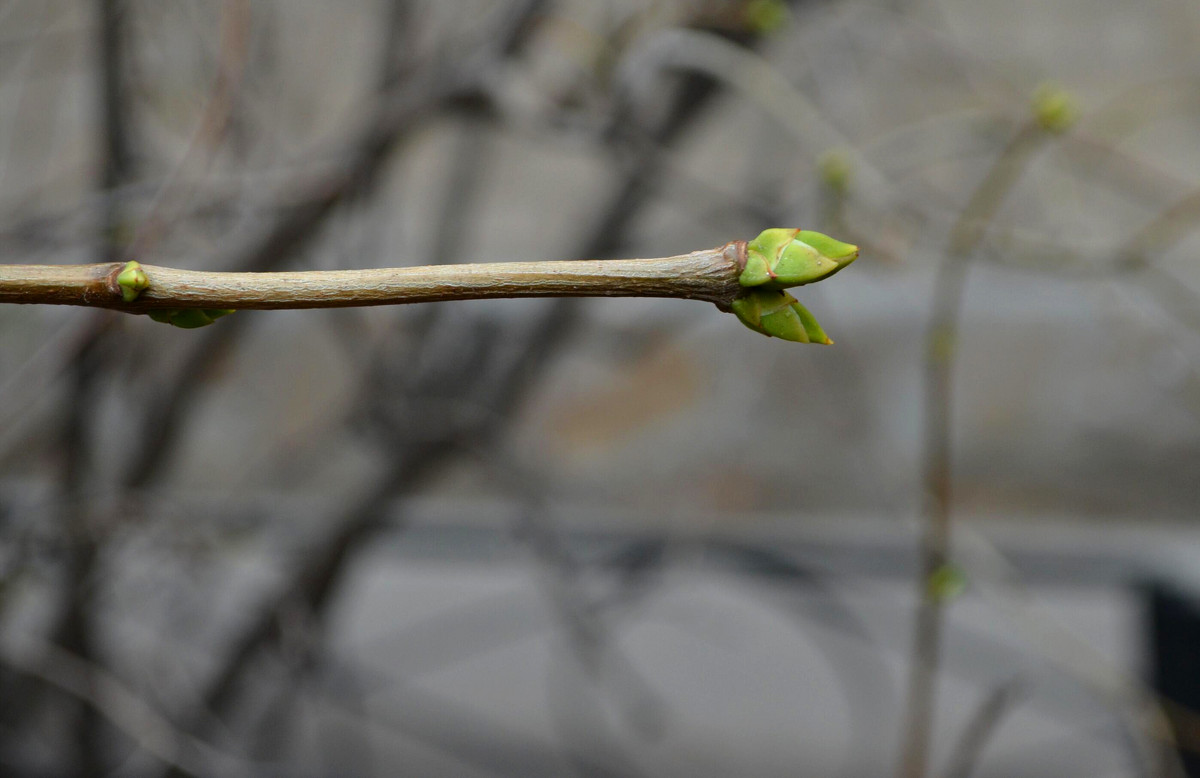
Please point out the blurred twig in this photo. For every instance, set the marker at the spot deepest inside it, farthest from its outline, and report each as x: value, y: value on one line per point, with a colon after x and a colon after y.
x: 314, y: 580
x: 399, y: 106
x: 864, y: 679
x: 981, y: 727
x: 235, y: 24
x: 1143, y: 714
x: 941, y: 345
x: 114, y: 133
x: 106, y: 695
x: 588, y: 633
x: 74, y: 626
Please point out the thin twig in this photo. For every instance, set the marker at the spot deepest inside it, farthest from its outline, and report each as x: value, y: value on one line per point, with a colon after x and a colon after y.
x: 314, y: 580
x: 114, y: 135
x: 588, y: 634
x: 982, y: 727
x: 280, y: 242
x: 702, y: 275
x: 1151, y: 734
x: 210, y: 130
x: 941, y: 338
x: 74, y: 625
x: 105, y: 694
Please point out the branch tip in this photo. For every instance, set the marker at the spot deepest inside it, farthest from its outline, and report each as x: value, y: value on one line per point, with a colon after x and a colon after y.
x: 776, y: 260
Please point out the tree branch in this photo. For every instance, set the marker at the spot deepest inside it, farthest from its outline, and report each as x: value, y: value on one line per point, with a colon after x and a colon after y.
x: 710, y: 275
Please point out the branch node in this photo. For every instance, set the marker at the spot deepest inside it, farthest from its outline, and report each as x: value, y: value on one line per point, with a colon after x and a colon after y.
x: 130, y: 281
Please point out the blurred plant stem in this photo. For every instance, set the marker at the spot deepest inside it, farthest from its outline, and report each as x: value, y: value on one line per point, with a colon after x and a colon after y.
x: 314, y: 581
x: 982, y: 726
x: 940, y: 359
x: 104, y: 693
x: 74, y: 625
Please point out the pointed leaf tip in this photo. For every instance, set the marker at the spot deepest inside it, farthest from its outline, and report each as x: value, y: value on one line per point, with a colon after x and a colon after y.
x: 776, y: 314
x: 782, y: 258
x: 831, y: 248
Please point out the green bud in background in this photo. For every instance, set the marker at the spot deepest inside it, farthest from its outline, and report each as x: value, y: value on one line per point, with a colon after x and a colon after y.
x: 132, y: 280
x: 775, y: 313
x: 945, y: 583
x: 766, y: 16
x: 1054, y: 108
x: 188, y: 318
x: 835, y: 170
x: 780, y: 258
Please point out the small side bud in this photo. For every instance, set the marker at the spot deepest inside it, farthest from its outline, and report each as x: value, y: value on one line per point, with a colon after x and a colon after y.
x: 765, y: 16
x: 811, y: 328
x: 775, y: 313
x: 1054, y: 108
x: 188, y: 318
x: 835, y: 171
x: 132, y: 280
x: 945, y: 583
x: 781, y: 258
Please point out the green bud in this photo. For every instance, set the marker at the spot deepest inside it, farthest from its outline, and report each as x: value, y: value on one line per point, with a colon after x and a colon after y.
x: 188, y: 318
x: 835, y: 170
x: 811, y: 327
x: 945, y: 583
x: 766, y: 16
x: 942, y: 345
x: 780, y: 258
x: 1054, y: 108
x: 132, y: 280
x: 775, y: 313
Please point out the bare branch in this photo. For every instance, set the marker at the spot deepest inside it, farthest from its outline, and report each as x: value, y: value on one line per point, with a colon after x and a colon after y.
x: 941, y: 337
x: 710, y: 275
